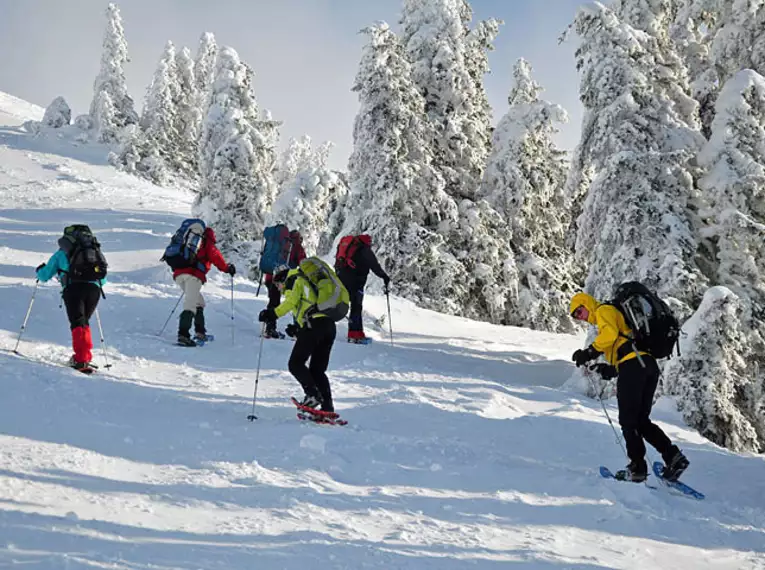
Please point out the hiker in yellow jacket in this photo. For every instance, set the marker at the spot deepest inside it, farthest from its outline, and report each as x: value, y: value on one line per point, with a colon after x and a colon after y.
x: 316, y: 305
x: 637, y: 376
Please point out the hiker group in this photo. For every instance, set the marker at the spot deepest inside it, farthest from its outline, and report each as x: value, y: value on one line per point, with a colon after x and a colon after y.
x: 313, y: 292
x: 633, y: 330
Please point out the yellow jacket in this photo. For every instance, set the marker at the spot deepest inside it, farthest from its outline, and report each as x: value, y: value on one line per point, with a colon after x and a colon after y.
x: 613, y: 332
x: 298, y: 298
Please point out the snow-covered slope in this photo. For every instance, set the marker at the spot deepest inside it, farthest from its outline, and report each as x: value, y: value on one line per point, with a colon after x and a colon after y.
x: 461, y: 451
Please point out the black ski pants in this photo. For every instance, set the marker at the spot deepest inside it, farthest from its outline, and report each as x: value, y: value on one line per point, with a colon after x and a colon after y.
x: 81, y: 300
x: 314, y: 342
x: 635, y: 387
x: 274, y: 299
x: 355, y: 287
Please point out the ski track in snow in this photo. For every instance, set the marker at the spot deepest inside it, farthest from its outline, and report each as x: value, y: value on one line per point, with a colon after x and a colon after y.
x: 461, y: 452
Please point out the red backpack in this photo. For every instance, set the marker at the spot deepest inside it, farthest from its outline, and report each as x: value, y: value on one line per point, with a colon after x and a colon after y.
x: 347, y: 248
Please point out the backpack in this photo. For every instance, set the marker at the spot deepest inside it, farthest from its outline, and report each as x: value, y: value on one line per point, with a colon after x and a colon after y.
x: 332, y: 297
x: 347, y: 249
x: 655, y: 329
x: 86, y: 261
x: 277, y: 247
x: 185, y: 244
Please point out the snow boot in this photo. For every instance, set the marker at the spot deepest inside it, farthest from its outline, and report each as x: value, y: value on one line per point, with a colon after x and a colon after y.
x: 199, y: 323
x: 273, y: 333
x: 674, y: 464
x: 311, y: 402
x: 637, y: 472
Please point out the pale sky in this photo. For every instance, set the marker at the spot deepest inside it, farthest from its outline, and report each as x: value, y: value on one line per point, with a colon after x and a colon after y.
x: 305, y: 53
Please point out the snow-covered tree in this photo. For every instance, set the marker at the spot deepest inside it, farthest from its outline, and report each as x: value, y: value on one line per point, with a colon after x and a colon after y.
x: 309, y: 193
x: 734, y: 187
x: 236, y: 160
x: 396, y: 195
x: 524, y: 181
x: 159, y: 119
x: 188, y: 116
x: 711, y: 378
x: 638, y: 136
x: 307, y: 202
x: 435, y: 35
x: 112, y: 108
x: 204, y: 69
x: 57, y: 114
x: 297, y: 157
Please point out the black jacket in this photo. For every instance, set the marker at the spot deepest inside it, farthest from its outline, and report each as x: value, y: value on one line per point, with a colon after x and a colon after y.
x: 365, y: 260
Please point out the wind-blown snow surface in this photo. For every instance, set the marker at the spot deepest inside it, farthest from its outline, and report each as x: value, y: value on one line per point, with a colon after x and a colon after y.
x: 461, y: 451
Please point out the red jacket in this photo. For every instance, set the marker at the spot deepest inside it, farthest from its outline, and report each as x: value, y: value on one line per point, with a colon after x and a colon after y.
x: 297, y: 254
x: 208, y: 255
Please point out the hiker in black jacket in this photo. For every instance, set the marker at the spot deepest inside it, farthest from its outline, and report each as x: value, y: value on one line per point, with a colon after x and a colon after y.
x: 353, y: 262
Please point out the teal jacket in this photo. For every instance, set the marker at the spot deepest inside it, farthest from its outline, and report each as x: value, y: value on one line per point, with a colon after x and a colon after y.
x: 57, y: 266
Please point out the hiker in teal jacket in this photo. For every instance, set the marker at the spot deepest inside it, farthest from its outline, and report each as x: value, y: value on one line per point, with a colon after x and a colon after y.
x: 80, y: 298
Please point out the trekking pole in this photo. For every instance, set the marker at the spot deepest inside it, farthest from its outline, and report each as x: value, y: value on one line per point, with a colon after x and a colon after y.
x: 390, y: 324
x: 26, y: 317
x: 103, y: 344
x: 171, y: 314
x: 252, y: 416
x: 232, y: 310
x: 588, y: 373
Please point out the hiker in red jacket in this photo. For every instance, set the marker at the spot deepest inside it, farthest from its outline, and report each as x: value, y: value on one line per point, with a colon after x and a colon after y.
x: 190, y: 280
x: 297, y: 254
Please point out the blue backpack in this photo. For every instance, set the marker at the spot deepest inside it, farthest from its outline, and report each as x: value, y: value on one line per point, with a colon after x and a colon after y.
x: 185, y: 245
x: 277, y: 247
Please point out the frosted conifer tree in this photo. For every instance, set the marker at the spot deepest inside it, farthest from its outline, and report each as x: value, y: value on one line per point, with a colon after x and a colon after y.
x: 307, y: 201
x: 236, y: 161
x: 109, y: 114
x: 159, y: 119
x: 296, y: 157
x: 734, y: 187
x: 204, y: 69
x: 524, y: 181
x: 435, y: 35
x: 638, y: 135
x: 396, y: 195
x: 188, y: 116
x: 711, y: 375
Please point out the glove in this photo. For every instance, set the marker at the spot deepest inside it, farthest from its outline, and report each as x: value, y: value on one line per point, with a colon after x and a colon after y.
x: 39, y: 267
x: 606, y: 371
x: 231, y: 269
x: 267, y: 315
x: 582, y: 357
x: 292, y: 330
x: 386, y: 284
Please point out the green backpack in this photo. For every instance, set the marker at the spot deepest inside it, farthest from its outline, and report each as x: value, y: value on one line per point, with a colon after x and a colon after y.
x: 332, y: 297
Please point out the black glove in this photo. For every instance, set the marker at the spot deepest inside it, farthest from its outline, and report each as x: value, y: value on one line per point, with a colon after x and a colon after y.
x: 292, y: 330
x: 231, y: 269
x: 267, y: 315
x: 39, y: 267
x: 386, y: 284
x: 582, y: 357
x: 606, y: 371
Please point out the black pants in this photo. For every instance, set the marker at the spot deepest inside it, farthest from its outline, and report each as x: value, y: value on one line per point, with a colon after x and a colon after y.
x: 81, y: 300
x: 355, y: 288
x: 314, y: 342
x: 635, y: 389
x: 274, y: 299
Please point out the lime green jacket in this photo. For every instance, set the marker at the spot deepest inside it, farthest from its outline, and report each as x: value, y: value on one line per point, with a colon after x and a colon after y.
x: 299, y: 296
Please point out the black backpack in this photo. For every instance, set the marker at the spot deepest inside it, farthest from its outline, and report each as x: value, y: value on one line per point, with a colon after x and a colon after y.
x: 86, y: 261
x: 655, y: 329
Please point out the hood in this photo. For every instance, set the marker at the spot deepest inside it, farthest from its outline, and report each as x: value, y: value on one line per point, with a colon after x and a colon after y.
x: 209, y: 235
x: 589, y: 303
x: 366, y: 239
